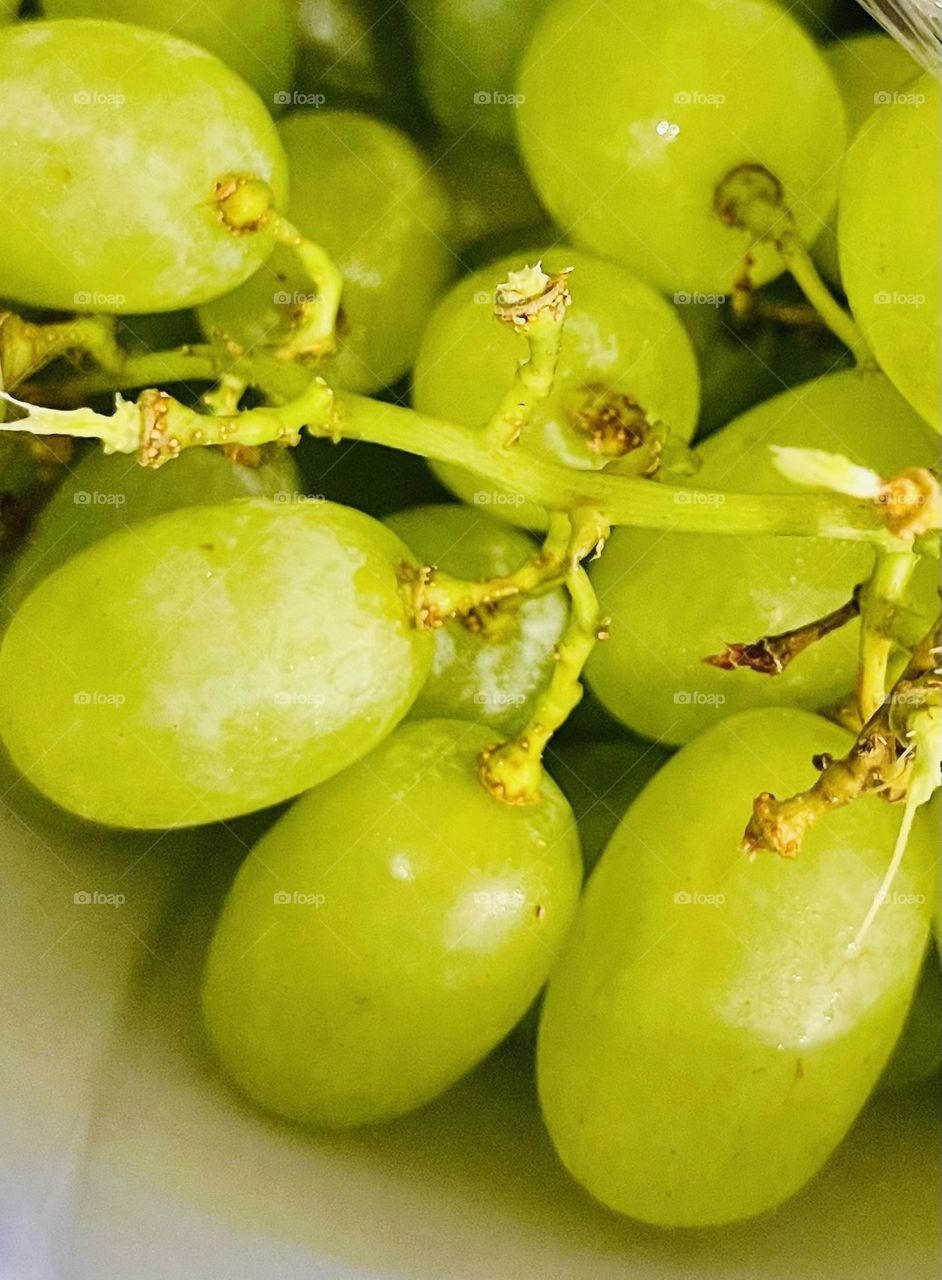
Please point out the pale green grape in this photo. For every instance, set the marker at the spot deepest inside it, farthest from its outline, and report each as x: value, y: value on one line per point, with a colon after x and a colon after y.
x: 365, y: 192
x: 675, y: 598
x: 257, y: 39
x: 338, y: 47
x: 918, y: 1051
x: 468, y: 51
x: 102, y: 493
x: 492, y: 674
x: 634, y: 111
x: 623, y: 349
x: 889, y: 232
x: 210, y: 661
x: 600, y: 780
x: 707, y: 1036
x: 389, y: 931
x: 124, y: 134
x: 869, y: 68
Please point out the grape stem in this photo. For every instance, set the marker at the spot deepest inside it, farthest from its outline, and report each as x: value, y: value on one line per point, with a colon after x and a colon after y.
x: 880, y: 597
x: 621, y: 499
x: 512, y: 771
x: 438, y: 597
x: 533, y: 304
x: 25, y: 348
x: 771, y: 654
x: 316, y: 321
x: 752, y: 199
x: 881, y: 760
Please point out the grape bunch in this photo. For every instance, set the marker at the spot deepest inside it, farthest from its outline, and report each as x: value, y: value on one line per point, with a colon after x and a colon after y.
x: 501, y: 442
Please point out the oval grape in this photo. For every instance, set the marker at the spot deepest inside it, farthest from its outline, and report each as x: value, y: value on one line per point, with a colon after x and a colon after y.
x: 714, y: 589
x: 494, y: 672
x: 707, y: 1037
x: 681, y: 95
x: 389, y: 931
x: 126, y: 133
x: 889, y: 228
x: 209, y: 662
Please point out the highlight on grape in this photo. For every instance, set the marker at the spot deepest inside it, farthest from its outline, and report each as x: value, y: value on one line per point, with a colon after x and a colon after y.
x: 469, y: 605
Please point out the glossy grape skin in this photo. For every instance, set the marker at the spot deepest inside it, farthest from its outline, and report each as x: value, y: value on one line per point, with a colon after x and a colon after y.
x: 258, y: 647
x: 468, y: 51
x: 492, y: 676
x: 440, y: 914
x: 257, y: 40
x: 619, y: 337
x: 338, y: 49
x: 608, y: 163
x: 918, y: 1051
x: 706, y: 1039
x: 889, y: 232
x: 364, y: 191
x: 868, y: 69
x: 102, y: 493
x: 714, y: 589
x: 600, y: 780
x: 126, y: 132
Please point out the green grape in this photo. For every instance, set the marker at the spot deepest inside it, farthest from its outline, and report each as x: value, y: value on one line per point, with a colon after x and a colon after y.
x: 126, y: 133
x: 495, y: 673
x: 918, y: 1051
x: 889, y: 231
x: 623, y: 350
x: 338, y: 50
x: 600, y: 780
x: 104, y: 492
x: 8, y: 10
x: 708, y: 1035
x: 257, y: 40
x: 389, y: 931
x: 680, y: 96
x: 491, y: 197
x: 365, y: 192
x: 209, y: 662
x: 869, y: 69
x: 712, y: 589
x: 468, y: 51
